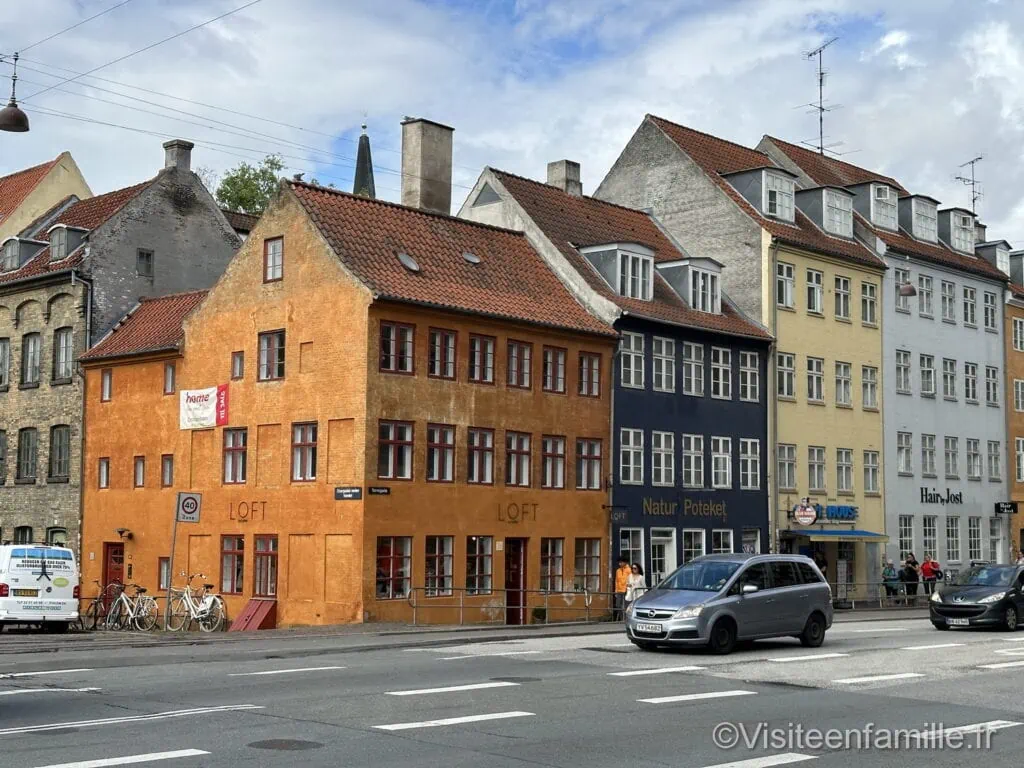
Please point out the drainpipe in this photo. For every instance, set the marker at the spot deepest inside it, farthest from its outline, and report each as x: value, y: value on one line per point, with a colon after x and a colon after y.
x: 611, y: 468
x: 773, y: 470
x: 75, y: 279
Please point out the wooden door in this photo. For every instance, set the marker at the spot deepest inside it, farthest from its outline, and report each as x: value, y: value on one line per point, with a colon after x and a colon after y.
x: 113, y: 563
x: 515, y: 581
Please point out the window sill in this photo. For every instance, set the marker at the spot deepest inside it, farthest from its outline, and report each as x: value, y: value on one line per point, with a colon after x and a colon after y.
x: 992, y: 330
x: 56, y: 480
x: 949, y: 399
x: 973, y: 402
x: 656, y: 389
x: 873, y: 494
x: 277, y: 379
x: 621, y: 482
x: 971, y: 325
x: 24, y: 481
x: 992, y: 405
x: 819, y: 403
x: 930, y: 476
x: 787, y: 490
x: 628, y: 386
x: 846, y: 493
x: 784, y: 308
x: 903, y: 310
x: 846, y: 320
x: 720, y: 397
x: 947, y: 321
x: 904, y: 392
x: 814, y: 491
x: 819, y: 315
x: 929, y: 395
x: 34, y: 385
x: 785, y: 399
x: 871, y: 409
x: 926, y: 316
x: 953, y: 477
x: 869, y: 325
x: 907, y: 474
x: 59, y: 382
x: 995, y: 480
x: 750, y: 400
x: 974, y: 479
x: 845, y: 406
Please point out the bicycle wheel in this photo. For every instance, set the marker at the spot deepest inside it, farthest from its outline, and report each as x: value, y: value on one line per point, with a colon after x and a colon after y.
x: 213, y: 619
x: 115, y: 618
x: 145, y: 613
x: 180, y: 616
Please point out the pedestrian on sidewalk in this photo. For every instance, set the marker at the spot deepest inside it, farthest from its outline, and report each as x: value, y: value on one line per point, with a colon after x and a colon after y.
x: 636, y: 584
x: 911, y: 573
x: 930, y: 573
x: 890, y: 578
x: 622, y: 575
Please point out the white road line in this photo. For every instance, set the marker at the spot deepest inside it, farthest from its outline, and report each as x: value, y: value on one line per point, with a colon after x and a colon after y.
x: 132, y: 719
x: 452, y: 688
x: 1011, y: 651
x: 878, y: 678
x: 19, y: 691
x: 991, y: 725
x: 697, y: 697
x: 767, y: 761
x: 930, y: 647
x: 811, y: 657
x: 418, y: 650
x: 487, y: 655
x: 1003, y: 665
x: 452, y: 721
x: 282, y: 671
x: 46, y: 672
x: 881, y: 629
x: 130, y: 759
x: 1013, y: 639
x: 658, y: 671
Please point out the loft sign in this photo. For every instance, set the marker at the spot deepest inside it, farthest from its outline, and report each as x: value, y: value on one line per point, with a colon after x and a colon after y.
x: 517, y: 513
x: 931, y: 496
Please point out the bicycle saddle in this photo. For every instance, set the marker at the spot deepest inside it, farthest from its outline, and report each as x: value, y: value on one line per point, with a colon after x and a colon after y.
x: 141, y: 590
x: 208, y: 586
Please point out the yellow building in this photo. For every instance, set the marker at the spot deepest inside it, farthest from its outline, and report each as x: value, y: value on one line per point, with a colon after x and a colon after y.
x: 27, y: 194
x: 792, y: 262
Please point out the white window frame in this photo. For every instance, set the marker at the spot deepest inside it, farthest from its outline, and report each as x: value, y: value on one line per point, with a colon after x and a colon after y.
x: 844, y: 470
x: 663, y: 356
x: 779, y: 193
x: 974, y: 538
x: 951, y: 457
x: 869, y: 387
x: 718, y: 538
x: 663, y: 459
x: 904, y: 380
x: 928, y: 456
x: 871, y: 470
x: 786, y: 466
x: 693, y: 460
x: 925, y: 215
x: 1018, y: 444
x: 927, y: 365
x: 785, y: 375
x: 925, y: 295
x: 692, y: 534
x: 721, y: 373
x: 973, y: 450
x: 961, y: 237
x: 869, y: 304
x: 704, y: 293
x: 991, y: 385
x: 844, y: 384
x: 721, y: 462
x: 815, y: 291
x: 970, y: 306
x: 750, y: 464
x: 842, y: 292
x: 815, y: 380
x: 948, y: 293
x: 971, y: 382
x: 693, y: 369
x: 1018, y: 334
x: 884, y: 211
x: 929, y: 536
x: 785, y: 283
x: 953, y: 539
x: 631, y: 354
x: 901, y: 278
x: 1018, y: 395
x: 750, y: 377
x: 906, y: 536
x: 636, y: 275
x: 948, y: 378
x: 838, y: 207
x: 905, y: 453
x: 991, y: 304
x: 995, y: 453
x: 817, y: 469
x: 631, y: 456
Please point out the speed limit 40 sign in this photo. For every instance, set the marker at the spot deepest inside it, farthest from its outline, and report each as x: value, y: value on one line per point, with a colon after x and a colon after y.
x: 189, y: 506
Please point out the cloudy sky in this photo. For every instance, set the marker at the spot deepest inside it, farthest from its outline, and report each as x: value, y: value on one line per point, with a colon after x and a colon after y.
x: 921, y: 85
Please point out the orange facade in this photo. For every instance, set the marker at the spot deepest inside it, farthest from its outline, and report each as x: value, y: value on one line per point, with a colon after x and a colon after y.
x: 1014, y: 340
x: 284, y: 526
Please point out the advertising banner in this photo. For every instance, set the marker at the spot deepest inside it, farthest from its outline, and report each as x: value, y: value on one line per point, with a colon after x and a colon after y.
x: 203, y: 408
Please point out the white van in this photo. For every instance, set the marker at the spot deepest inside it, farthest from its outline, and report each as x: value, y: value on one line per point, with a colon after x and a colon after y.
x: 38, y: 585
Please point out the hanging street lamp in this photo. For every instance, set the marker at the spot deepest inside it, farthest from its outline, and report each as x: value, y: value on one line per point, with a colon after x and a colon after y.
x: 12, y: 118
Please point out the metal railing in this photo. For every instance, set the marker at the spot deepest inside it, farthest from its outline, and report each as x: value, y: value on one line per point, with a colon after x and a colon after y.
x: 878, y: 594
x: 497, y: 606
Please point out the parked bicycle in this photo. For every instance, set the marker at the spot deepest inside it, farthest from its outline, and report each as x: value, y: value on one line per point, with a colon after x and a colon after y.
x: 188, y: 606
x: 95, y: 616
x: 138, y: 611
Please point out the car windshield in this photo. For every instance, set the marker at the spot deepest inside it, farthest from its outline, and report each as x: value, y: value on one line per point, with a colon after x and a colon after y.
x: 985, y: 576
x: 701, y: 575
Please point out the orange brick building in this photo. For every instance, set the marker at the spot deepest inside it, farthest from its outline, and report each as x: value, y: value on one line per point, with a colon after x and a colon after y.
x: 417, y: 413
x: 1014, y: 340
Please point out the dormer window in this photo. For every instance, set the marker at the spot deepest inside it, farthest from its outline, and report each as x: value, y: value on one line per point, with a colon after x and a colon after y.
x: 883, y: 207
x: 962, y: 232
x: 838, y: 213
x: 58, y: 243
x: 704, y: 294
x: 926, y: 220
x: 778, y: 196
x: 10, y: 255
x: 635, y: 275
x: 1003, y: 260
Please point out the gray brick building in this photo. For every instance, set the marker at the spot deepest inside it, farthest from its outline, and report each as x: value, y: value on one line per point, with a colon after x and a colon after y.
x: 65, y: 280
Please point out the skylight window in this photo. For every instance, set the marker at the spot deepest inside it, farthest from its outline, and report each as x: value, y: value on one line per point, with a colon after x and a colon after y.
x: 472, y: 258
x: 408, y: 261
x: 778, y: 196
x: 883, y: 207
x: 838, y: 213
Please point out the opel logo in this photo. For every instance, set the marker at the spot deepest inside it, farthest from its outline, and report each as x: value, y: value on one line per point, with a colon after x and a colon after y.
x: 651, y: 614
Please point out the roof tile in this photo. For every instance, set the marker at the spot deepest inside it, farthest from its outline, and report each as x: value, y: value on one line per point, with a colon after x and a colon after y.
x: 154, y: 325
x: 510, y: 281
x: 15, y: 187
x: 570, y: 222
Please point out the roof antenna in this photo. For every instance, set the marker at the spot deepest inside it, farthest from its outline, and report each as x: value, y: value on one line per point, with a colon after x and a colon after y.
x: 819, y: 106
x: 972, y: 182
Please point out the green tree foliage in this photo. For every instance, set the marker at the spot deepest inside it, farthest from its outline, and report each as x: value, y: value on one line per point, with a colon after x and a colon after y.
x: 248, y: 188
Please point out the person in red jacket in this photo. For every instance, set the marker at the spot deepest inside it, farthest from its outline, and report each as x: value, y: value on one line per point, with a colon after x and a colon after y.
x: 929, y: 573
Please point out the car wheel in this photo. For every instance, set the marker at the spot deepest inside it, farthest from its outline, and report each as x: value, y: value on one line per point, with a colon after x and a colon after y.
x: 1010, y: 619
x: 814, y: 631
x: 644, y: 645
x: 940, y: 626
x: 723, y: 637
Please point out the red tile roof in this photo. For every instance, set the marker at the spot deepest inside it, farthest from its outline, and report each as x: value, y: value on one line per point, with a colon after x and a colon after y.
x: 153, y: 326
x: 241, y: 222
x: 87, y: 214
x: 717, y: 156
x: 570, y: 222
x: 831, y: 170
x: 510, y: 281
x: 1017, y: 290
x: 15, y: 187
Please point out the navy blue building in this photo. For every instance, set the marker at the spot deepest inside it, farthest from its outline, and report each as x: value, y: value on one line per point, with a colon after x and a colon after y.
x: 687, y: 466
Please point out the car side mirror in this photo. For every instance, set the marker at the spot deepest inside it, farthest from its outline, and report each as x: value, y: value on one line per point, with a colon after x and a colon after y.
x: 748, y: 589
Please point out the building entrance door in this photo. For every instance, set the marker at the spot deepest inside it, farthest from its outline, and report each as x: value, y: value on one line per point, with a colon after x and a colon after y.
x: 515, y: 581
x: 113, y: 563
x: 751, y: 541
x: 663, y: 554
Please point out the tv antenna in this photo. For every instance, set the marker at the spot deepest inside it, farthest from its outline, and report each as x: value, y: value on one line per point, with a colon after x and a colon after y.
x: 819, y: 106
x: 972, y: 182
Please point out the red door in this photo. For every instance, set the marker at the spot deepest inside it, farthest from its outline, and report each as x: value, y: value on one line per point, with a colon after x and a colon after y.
x: 113, y: 563
x: 515, y: 581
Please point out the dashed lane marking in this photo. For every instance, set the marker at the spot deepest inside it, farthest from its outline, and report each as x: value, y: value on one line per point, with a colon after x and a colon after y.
x: 811, y: 657
x: 283, y: 671
x: 133, y: 719
x: 7, y: 675
x: 767, y: 761
x: 878, y: 678
x: 1002, y: 665
x: 20, y: 691
x: 453, y: 721
x: 487, y: 655
x: 656, y: 671
x: 697, y: 697
x: 453, y: 688
x: 151, y: 757
x: 930, y: 647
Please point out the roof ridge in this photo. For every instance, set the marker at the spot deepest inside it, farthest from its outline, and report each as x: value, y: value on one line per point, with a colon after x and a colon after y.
x: 867, y: 171
x: 407, y: 208
x: 736, y: 144
x: 36, y: 167
x: 638, y: 211
x: 177, y: 295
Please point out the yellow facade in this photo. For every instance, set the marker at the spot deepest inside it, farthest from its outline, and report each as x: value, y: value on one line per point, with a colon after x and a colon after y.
x: 805, y: 423
x: 60, y: 181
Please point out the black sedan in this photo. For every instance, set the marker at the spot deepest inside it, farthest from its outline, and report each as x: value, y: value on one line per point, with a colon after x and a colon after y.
x: 981, y: 596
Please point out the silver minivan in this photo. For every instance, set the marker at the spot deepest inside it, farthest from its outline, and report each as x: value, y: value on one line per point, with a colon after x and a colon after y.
x: 716, y: 600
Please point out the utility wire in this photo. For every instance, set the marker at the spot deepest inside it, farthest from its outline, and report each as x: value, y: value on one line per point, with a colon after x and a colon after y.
x: 146, y: 48
x: 74, y: 26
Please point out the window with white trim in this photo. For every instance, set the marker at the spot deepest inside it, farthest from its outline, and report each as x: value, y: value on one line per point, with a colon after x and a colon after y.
x: 870, y: 471
x: 750, y: 377
x: 926, y: 220
x: 973, y: 459
x: 952, y: 453
x: 816, y: 468
x: 631, y: 352
x: 1018, y: 334
x: 883, y: 207
x: 953, y: 539
x: 838, y: 213
x: 906, y: 535
x: 844, y: 470
x: 693, y: 544
x: 842, y: 297
x: 631, y: 456
x: 971, y: 382
x: 721, y: 541
x: 974, y: 538
x: 787, y: 466
x: 904, y: 453
x: 663, y: 458
x: 948, y: 301
x: 778, y: 196
x: 693, y: 461
x: 924, y: 295
x: 970, y: 306
x: 928, y: 536
x: 962, y: 232
x: 903, y: 371
x: 785, y: 374
x: 784, y: 285
x: 1018, y: 395
x: 750, y: 464
x: 663, y: 352
x: 721, y: 373
x: 949, y: 379
x: 902, y: 277
x: 704, y: 294
x: 693, y: 369
x: 869, y: 303
x: 721, y: 462
x: 815, y: 379
x: 990, y: 311
x: 1018, y: 444
x: 815, y: 300
x: 869, y: 386
x: 1003, y: 260
x: 635, y: 275
x: 995, y: 453
x: 991, y: 385
x: 928, y: 456
x: 844, y: 384
x: 927, y: 364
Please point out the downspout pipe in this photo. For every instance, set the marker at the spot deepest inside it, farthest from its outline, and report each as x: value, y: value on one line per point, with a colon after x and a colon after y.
x: 773, y: 469
x: 76, y: 278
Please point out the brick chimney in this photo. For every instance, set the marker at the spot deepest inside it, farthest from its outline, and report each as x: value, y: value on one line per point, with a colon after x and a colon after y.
x: 427, y: 165
x: 565, y: 174
x: 178, y: 154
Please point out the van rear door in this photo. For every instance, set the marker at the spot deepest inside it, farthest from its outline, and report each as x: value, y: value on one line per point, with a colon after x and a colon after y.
x: 41, y: 582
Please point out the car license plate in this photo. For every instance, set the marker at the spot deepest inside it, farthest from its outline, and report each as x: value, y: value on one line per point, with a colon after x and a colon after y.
x: 650, y: 629
x: 958, y: 622
x: 26, y: 592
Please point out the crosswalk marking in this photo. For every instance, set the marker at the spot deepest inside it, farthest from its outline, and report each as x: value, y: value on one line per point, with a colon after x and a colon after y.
x: 7, y: 675
x: 696, y: 697
x: 452, y: 721
x: 21, y: 691
x: 453, y: 688
x: 656, y: 671
x: 283, y: 671
x: 767, y: 761
x: 930, y: 647
x: 879, y: 678
x: 811, y: 657
x: 130, y: 759
x: 129, y: 719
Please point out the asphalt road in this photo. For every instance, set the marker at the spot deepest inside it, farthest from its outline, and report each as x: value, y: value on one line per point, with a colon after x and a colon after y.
x: 588, y: 700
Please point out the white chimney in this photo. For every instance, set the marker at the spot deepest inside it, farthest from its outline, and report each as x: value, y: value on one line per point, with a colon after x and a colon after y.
x: 565, y: 174
x: 427, y: 165
x: 178, y: 154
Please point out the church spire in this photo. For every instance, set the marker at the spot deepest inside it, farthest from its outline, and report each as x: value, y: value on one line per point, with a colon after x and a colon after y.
x: 363, y: 184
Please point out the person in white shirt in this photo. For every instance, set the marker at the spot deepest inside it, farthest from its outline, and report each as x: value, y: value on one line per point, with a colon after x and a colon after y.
x: 636, y: 585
